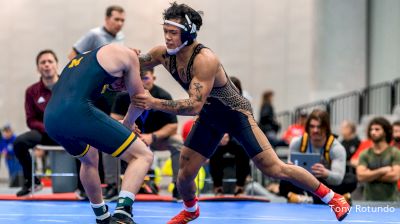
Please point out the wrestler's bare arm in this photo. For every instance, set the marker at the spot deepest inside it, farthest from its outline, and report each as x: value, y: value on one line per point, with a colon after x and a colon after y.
x: 134, y: 86
x: 153, y: 58
x: 205, y: 68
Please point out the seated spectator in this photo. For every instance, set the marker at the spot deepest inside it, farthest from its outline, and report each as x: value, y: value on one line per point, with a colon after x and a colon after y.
x: 187, y: 126
x: 350, y: 142
x: 379, y: 165
x: 396, y: 140
x: 36, y: 98
x: 331, y: 170
x: 6, y: 148
x: 296, y: 129
x: 364, y: 145
x: 396, y: 134
x: 268, y: 123
x: 217, y: 164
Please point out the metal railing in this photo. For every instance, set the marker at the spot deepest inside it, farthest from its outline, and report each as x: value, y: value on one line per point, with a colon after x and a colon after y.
x: 396, y: 94
x: 345, y: 107
x: 377, y: 99
x: 322, y: 104
x: 285, y: 118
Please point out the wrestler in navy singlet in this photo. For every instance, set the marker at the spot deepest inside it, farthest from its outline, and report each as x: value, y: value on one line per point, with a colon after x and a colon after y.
x: 73, y: 121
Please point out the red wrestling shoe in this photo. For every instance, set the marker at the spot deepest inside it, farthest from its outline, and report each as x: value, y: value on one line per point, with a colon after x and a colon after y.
x: 184, y: 217
x: 339, y: 206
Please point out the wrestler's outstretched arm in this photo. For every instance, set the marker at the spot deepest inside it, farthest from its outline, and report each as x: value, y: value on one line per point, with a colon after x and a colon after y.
x: 205, y: 68
x: 134, y: 86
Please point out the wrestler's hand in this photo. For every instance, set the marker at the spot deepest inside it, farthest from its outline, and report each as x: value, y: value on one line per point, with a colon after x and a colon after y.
x: 129, y: 126
x: 144, y: 101
x: 137, y: 51
x: 136, y: 129
x: 146, y: 138
x: 319, y: 170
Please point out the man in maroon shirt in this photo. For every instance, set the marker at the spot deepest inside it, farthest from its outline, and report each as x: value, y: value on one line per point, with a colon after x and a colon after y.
x: 36, y: 98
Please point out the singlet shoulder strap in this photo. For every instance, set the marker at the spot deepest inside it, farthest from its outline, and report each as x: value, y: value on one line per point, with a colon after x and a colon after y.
x: 304, y: 143
x: 196, y: 51
x: 327, y: 148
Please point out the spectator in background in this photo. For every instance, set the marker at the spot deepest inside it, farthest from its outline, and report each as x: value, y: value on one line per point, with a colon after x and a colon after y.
x: 379, y: 165
x: 318, y: 138
x: 396, y: 134
x: 7, y: 150
x: 396, y: 141
x: 186, y: 128
x: 158, y: 129
x: 350, y: 142
x: 296, y: 129
x: 268, y: 123
x: 230, y: 145
x: 364, y: 145
x: 110, y: 32
x: 36, y: 98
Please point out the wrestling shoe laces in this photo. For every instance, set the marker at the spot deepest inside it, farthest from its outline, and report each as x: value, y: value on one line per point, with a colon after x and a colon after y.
x: 184, y: 217
x: 339, y: 206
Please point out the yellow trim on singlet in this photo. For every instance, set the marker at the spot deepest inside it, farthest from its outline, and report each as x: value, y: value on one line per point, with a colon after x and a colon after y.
x: 124, y: 145
x: 84, y: 152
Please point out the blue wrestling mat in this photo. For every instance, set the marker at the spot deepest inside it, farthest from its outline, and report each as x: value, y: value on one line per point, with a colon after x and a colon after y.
x: 29, y: 212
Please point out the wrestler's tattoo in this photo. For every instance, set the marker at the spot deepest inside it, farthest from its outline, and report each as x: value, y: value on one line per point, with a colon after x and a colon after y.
x: 145, y: 58
x: 197, y: 88
x: 169, y: 103
x: 179, y: 106
x: 186, y: 106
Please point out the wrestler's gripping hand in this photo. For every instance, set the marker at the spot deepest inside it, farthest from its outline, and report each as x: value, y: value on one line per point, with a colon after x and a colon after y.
x: 133, y: 127
x: 144, y: 101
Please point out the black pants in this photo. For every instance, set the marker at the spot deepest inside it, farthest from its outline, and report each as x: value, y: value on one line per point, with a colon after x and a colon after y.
x: 23, y: 143
x: 218, y: 163
x: 348, y: 185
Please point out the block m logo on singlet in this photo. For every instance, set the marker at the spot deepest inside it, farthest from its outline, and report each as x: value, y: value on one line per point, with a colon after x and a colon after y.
x: 75, y: 62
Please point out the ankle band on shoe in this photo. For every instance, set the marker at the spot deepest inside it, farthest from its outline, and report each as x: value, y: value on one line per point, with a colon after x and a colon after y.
x: 100, y: 210
x: 321, y: 190
x: 123, y: 212
x: 328, y: 197
x: 191, y: 205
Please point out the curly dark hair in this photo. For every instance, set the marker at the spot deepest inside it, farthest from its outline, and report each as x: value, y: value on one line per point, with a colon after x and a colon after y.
x: 178, y: 11
x: 386, y: 126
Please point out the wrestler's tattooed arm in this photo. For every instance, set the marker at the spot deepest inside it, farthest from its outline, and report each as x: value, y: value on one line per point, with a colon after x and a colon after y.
x: 152, y: 58
x: 143, y: 58
x: 185, y: 106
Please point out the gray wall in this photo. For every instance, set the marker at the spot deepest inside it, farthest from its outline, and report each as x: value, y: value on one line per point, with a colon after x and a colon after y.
x: 302, y: 49
x: 340, y: 47
x: 385, y: 40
